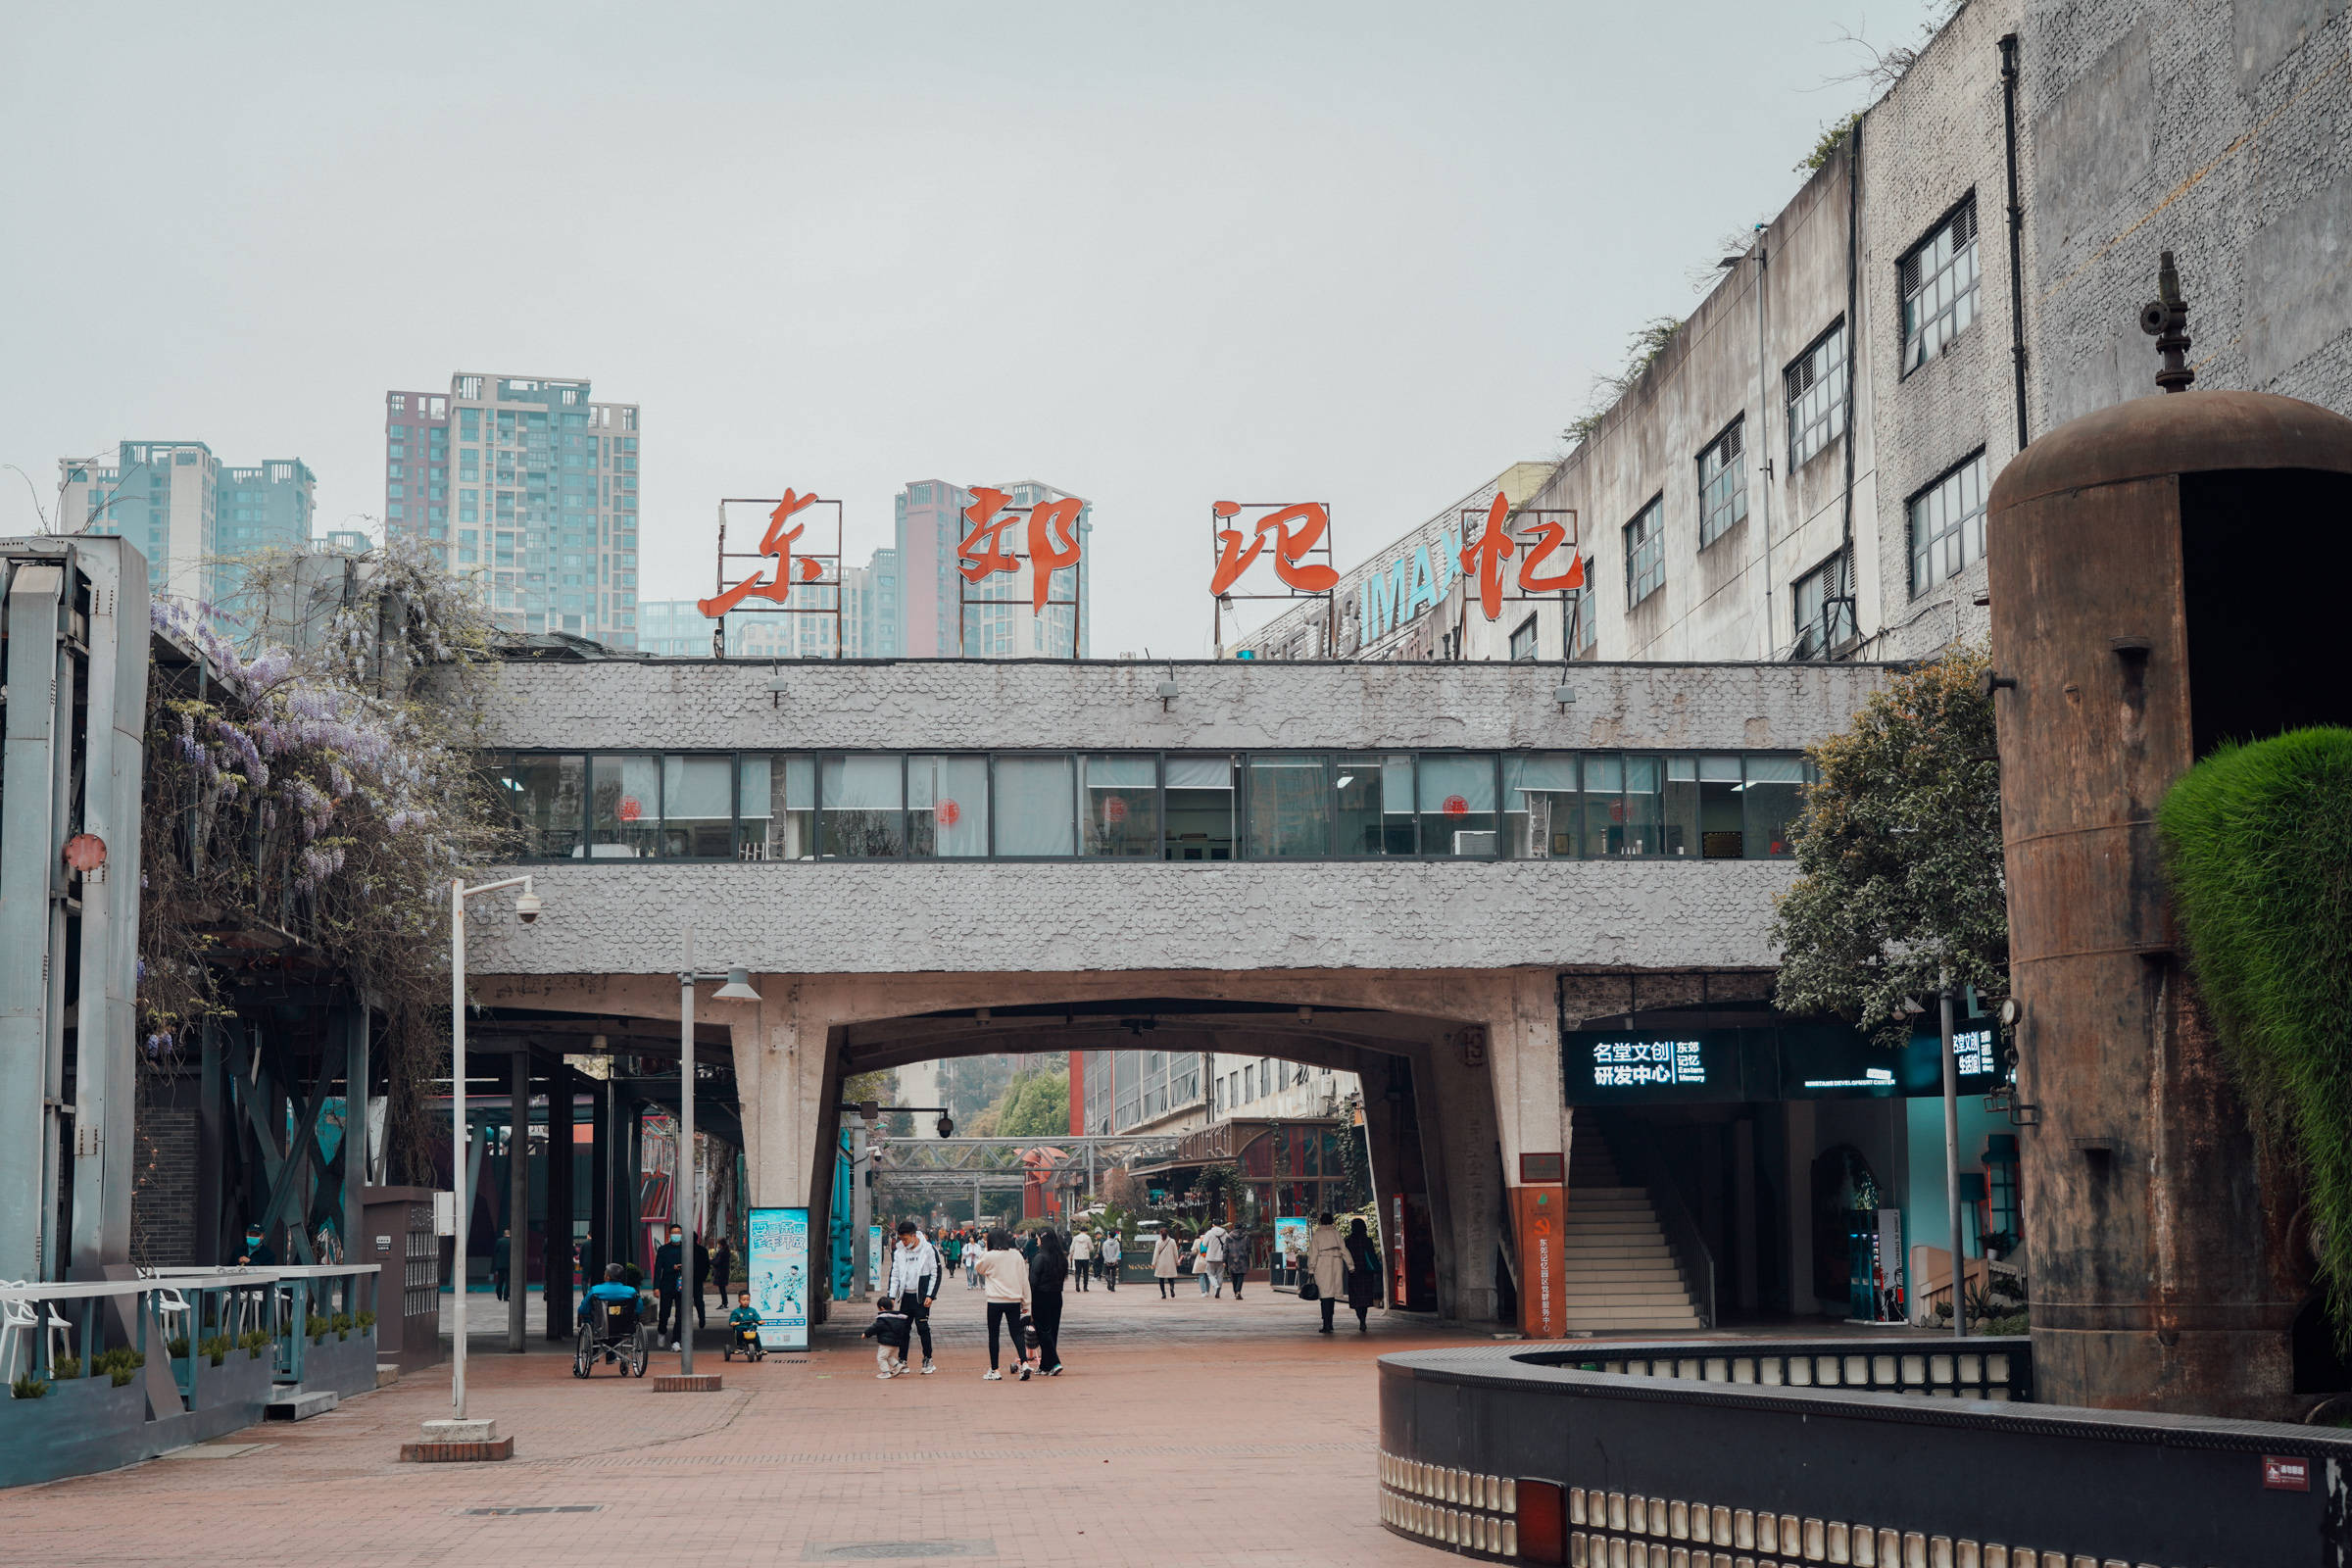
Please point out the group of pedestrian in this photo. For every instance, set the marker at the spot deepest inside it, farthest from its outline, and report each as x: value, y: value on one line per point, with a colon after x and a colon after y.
x: 1022, y: 1282
x: 1216, y: 1255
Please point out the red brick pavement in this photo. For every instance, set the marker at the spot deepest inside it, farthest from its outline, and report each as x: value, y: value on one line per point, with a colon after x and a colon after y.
x: 1185, y: 1432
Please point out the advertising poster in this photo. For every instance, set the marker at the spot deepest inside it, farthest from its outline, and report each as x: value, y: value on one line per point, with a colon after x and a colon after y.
x: 776, y: 1263
x: 875, y: 1278
x: 1290, y: 1245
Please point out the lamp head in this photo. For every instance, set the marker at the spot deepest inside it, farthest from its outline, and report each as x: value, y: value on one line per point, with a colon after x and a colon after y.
x: 738, y: 987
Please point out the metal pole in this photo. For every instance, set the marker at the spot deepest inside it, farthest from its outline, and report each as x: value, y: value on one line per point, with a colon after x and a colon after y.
x: 685, y: 1161
x: 862, y: 1215
x: 518, y: 1198
x: 1951, y: 1163
x: 457, y: 1133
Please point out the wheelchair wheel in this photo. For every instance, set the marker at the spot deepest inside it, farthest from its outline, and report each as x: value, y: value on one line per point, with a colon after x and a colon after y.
x: 583, y: 1355
x: 638, y: 1355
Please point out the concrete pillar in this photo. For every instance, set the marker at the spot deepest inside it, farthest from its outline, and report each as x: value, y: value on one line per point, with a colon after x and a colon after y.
x: 1459, y: 1142
x: 561, y: 1205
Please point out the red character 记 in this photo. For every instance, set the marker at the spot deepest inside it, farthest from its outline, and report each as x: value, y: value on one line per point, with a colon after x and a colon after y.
x: 776, y: 541
x: 1291, y: 544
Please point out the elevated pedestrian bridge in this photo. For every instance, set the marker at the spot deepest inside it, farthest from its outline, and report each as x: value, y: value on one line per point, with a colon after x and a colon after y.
x: 1385, y: 867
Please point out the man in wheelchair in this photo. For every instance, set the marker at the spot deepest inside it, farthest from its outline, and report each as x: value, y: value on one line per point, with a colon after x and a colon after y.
x: 611, y: 1326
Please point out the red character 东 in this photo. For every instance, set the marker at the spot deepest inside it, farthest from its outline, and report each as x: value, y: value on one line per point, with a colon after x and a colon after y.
x: 1290, y: 545
x: 776, y: 541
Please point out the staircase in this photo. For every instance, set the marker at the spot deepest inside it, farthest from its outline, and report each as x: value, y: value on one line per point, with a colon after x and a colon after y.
x: 1622, y: 1276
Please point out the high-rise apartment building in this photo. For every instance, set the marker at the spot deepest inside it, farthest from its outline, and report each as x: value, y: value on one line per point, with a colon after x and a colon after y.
x: 192, y: 517
x: 528, y: 487
x: 997, y: 624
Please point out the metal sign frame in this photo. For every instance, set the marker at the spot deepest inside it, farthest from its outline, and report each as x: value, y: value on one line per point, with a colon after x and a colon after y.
x: 1219, y: 603
x: 831, y: 577
x: 1572, y: 601
x: 964, y: 585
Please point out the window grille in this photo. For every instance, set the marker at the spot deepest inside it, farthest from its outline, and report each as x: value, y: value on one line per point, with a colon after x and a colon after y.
x: 1948, y: 525
x: 1937, y: 282
x: 1645, y: 552
x: 1816, y: 395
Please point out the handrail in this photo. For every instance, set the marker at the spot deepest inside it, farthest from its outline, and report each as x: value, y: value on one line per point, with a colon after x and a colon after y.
x: 1683, y: 1235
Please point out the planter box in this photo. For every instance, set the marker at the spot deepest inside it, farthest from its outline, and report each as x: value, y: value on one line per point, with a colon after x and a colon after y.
x: 82, y: 1425
x: 347, y: 1367
x: 239, y: 1379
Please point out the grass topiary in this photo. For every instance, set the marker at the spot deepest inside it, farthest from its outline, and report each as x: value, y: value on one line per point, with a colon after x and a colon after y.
x: 2258, y: 850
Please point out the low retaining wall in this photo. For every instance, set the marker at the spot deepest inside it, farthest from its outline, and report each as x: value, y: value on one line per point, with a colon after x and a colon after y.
x: 1684, y: 1459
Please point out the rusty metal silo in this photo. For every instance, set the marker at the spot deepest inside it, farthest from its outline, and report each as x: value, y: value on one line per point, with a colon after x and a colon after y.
x: 2164, y: 573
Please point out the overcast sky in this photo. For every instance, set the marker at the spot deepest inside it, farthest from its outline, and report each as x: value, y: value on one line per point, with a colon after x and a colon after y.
x: 1158, y: 255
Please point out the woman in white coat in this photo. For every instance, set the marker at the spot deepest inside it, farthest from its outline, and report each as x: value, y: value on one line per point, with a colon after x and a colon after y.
x: 1326, y: 1264
x: 1166, y: 1257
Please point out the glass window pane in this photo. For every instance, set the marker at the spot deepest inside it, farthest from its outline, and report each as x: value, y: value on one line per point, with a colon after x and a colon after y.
x: 625, y: 816
x: 1719, y: 820
x: 698, y: 807
x: 778, y: 796
x: 544, y: 803
x: 859, y: 816
x: 1769, y: 809
x: 1118, y: 800
x: 1290, y: 807
x: 1681, y: 804
x: 1539, y: 800
x: 1375, y: 804
x: 1035, y: 806
x: 1199, y: 807
x: 1457, y: 805
x: 947, y: 807
x: 1642, y: 829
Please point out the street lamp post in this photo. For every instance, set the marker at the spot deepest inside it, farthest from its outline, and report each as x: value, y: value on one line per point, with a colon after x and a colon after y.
x: 736, y: 988
x: 526, y: 907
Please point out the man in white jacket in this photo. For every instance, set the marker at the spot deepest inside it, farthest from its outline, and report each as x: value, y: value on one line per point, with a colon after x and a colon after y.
x: 1082, y: 1256
x: 914, y: 1272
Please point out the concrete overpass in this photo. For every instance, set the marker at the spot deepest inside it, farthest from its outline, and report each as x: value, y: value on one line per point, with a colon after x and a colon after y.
x: 816, y: 824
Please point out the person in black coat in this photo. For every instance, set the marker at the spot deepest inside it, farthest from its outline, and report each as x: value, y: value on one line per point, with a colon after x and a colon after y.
x: 1047, y: 1273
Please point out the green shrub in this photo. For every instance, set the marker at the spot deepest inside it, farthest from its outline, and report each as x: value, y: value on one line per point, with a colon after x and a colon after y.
x: 2014, y: 1323
x: 66, y: 1368
x: 364, y: 1321
x: 2258, y: 850
x: 342, y: 1324
x: 119, y: 1364
x: 28, y: 1388
x: 177, y: 1344
x: 254, y: 1340
x: 315, y: 1326
x: 216, y: 1348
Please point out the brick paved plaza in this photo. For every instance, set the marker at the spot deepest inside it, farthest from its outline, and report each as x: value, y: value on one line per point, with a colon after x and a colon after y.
x: 1184, y: 1432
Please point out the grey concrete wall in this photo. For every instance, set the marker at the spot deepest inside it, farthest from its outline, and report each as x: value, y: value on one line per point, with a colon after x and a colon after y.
x: 978, y: 705
x: 2222, y: 131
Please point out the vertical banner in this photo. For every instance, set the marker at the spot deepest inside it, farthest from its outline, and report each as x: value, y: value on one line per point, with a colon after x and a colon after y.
x: 777, y: 1265
x: 1401, y: 1293
x: 1537, y: 1216
x: 874, y: 1275
x: 1289, y: 1250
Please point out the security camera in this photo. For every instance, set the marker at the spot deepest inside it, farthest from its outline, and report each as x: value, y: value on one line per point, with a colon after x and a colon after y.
x: 526, y: 908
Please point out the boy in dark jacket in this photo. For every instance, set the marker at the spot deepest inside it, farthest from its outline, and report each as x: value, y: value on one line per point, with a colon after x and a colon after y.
x: 889, y: 1331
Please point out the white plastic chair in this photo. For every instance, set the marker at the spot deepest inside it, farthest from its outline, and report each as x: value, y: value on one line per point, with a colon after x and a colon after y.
x: 168, y: 1304
x: 21, y: 1325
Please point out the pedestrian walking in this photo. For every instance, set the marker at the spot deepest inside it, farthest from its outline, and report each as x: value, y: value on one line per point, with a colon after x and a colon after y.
x: 667, y: 1259
x: 1082, y: 1258
x: 975, y: 1247
x: 1364, y: 1273
x: 1111, y: 1252
x: 1236, y: 1261
x: 1004, y: 1275
x: 722, y: 1265
x: 1166, y: 1256
x: 701, y: 1277
x: 1046, y: 1277
x: 502, y: 1256
x: 1327, y: 1266
x: 914, y: 1272
x: 1211, y: 1260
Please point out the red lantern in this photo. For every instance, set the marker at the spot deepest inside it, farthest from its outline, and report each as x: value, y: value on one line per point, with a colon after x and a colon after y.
x: 950, y: 813
x: 1456, y: 805
x: 630, y: 810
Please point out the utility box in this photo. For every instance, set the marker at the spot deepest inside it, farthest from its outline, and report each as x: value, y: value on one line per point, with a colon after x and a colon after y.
x: 398, y: 1236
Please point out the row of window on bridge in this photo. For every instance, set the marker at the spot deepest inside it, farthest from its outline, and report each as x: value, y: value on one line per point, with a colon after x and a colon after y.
x: 1252, y: 805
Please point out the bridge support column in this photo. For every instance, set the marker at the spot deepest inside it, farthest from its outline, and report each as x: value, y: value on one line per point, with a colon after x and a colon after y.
x: 1531, y: 1113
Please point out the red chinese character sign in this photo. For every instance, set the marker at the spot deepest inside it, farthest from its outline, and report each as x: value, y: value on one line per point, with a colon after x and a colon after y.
x: 801, y: 580
x: 1293, y: 542
x: 1000, y: 536
x: 1542, y: 536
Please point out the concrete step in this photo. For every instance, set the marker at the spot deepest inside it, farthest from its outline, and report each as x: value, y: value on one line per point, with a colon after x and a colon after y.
x: 1618, y: 1320
x: 293, y: 1402
x: 1627, y: 1274
x: 1631, y: 1297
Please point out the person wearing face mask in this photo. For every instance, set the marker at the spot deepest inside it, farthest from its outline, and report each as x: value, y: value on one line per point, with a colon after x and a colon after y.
x: 666, y: 1260
x: 256, y: 1252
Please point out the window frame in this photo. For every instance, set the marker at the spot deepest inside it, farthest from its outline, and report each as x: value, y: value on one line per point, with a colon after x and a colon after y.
x: 1652, y: 540
x: 1959, y: 527
x: 1832, y: 420
x: 1839, y: 561
x: 1736, y: 430
x: 1910, y: 336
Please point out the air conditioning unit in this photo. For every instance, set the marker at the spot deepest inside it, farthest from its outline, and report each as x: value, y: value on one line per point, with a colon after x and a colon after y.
x: 1476, y: 842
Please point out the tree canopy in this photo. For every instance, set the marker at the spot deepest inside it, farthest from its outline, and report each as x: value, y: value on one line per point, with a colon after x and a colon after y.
x: 1898, y: 850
